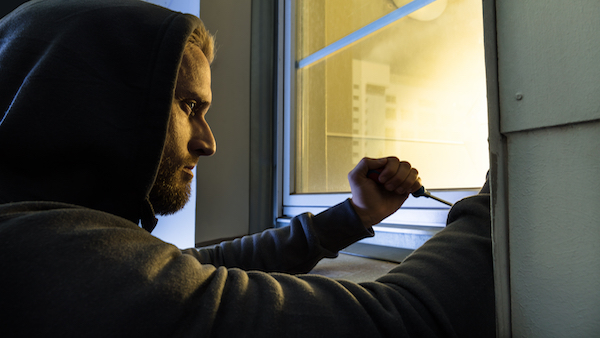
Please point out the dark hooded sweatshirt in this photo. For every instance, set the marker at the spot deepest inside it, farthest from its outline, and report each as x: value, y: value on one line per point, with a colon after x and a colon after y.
x: 85, y: 95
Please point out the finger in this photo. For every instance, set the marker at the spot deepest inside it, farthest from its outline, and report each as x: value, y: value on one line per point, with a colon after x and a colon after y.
x: 363, y: 167
x: 375, y: 163
x: 389, y: 171
x: 408, y: 185
x: 416, y: 186
x: 370, y: 167
x: 398, y: 180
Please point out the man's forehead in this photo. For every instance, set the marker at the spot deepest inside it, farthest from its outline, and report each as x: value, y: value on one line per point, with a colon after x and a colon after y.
x: 194, y: 59
x: 194, y: 73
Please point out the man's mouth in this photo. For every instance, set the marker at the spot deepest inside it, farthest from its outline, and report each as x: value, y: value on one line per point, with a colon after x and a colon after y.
x: 189, y: 169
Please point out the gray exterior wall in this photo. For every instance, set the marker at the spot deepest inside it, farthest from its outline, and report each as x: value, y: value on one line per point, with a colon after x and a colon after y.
x: 545, y: 163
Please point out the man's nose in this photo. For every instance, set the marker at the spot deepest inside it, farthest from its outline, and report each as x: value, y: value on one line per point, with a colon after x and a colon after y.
x: 203, y: 141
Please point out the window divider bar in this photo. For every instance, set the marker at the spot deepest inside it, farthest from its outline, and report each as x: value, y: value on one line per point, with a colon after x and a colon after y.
x: 383, y: 138
x: 363, y: 32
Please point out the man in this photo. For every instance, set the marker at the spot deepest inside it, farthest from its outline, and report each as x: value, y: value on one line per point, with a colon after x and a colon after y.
x: 104, y: 106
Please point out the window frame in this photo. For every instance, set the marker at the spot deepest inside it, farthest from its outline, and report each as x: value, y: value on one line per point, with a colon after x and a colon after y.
x: 417, y: 214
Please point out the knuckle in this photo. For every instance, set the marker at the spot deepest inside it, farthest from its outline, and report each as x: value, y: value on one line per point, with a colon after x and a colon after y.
x: 405, y: 165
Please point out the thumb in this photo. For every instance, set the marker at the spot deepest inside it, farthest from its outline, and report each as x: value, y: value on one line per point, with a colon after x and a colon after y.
x: 368, y: 163
x: 362, y: 168
x: 376, y: 163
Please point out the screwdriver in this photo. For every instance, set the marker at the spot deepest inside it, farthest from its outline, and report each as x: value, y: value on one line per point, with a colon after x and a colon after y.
x: 422, y: 192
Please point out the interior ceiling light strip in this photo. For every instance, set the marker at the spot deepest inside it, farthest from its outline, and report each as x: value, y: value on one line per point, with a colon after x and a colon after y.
x: 363, y: 32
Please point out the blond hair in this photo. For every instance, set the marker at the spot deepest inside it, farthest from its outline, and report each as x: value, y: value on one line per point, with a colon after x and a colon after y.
x: 202, y: 38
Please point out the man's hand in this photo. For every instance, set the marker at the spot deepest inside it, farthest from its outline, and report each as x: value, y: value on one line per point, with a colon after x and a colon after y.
x: 374, y: 201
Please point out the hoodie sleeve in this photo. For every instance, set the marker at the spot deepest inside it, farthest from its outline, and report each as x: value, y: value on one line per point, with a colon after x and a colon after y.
x: 102, y: 276
x: 292, y: 249
x: 444, y: 289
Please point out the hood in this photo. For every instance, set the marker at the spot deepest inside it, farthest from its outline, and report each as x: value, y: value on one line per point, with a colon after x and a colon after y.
x: 85, y: 95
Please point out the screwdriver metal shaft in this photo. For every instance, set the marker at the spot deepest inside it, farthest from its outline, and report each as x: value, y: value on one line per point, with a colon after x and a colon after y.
x: 423, y: 192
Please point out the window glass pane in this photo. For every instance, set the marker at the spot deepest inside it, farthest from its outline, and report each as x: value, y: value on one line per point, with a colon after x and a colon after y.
x: 325, y: 21
x: 414, y: 89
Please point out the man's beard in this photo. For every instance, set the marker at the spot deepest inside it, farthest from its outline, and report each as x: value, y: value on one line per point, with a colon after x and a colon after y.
x: 169, y: 193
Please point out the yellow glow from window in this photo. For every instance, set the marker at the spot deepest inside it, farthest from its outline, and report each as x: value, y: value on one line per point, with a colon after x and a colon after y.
x: 415, y: 90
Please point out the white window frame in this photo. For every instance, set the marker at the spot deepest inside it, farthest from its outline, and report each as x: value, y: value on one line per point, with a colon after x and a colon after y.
x: 416, y: 212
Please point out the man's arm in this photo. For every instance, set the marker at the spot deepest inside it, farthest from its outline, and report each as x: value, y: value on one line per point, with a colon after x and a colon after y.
x: 103, y: 275
x: 309, y: 238
x: 293, y: 249
x: 444, y: 289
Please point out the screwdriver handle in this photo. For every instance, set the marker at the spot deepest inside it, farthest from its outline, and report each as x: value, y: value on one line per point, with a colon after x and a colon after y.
x: 421, y: 192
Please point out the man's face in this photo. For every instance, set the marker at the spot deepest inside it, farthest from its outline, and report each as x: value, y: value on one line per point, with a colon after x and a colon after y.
x: 188, y: 136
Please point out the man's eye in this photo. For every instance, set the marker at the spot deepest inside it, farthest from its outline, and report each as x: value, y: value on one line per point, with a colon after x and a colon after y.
x: 192, y: 107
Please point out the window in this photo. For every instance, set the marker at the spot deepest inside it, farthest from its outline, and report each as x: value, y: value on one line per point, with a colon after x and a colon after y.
x: 377, y: 78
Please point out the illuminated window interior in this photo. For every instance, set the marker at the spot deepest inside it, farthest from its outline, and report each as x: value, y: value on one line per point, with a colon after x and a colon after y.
x: 377, y: 78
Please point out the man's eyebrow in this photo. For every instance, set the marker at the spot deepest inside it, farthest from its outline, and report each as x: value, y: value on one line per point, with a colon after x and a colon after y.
x: 186, y: 93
